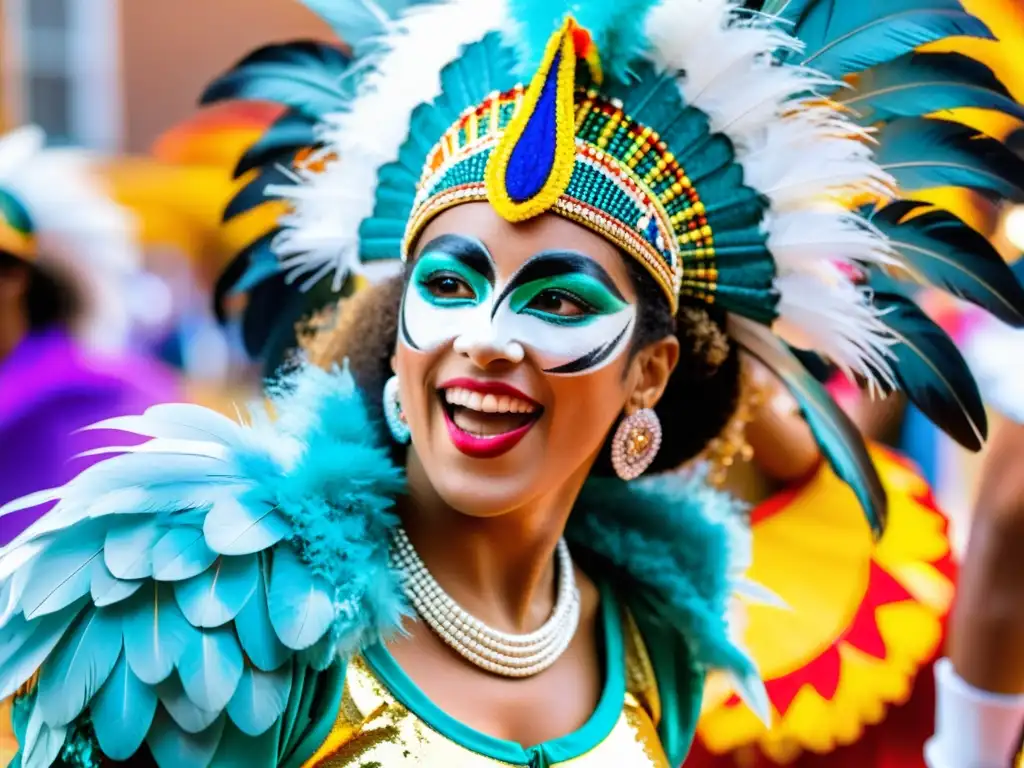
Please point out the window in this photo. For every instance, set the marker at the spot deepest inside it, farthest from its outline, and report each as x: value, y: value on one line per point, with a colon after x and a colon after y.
x: 62, y: 69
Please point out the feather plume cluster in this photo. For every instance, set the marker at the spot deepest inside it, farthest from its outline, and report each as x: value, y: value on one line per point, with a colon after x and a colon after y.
x: 205, y: 569
x: 804, y: 155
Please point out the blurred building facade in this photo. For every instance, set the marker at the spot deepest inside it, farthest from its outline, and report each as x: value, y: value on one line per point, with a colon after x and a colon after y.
x: 114, y: 74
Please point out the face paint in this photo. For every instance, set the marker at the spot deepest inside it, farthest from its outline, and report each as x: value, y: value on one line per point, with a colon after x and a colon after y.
x: 562, y: 306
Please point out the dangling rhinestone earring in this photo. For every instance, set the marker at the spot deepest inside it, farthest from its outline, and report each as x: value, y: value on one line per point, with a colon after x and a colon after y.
x: 636, y: 443
x: 393, y: 413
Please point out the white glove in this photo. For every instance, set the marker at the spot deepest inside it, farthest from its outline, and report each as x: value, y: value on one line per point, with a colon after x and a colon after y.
x: 973, y: 728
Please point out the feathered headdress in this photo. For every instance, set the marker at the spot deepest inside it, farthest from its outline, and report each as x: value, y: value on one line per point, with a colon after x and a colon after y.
x: 55, y: 215
x: 750, y: 160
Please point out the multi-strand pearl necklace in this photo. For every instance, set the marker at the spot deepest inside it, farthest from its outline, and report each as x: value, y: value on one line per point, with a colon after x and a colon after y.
x: 497, y: 652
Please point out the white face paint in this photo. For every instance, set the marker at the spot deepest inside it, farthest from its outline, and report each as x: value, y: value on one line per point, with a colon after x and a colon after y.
x: 562, y: 307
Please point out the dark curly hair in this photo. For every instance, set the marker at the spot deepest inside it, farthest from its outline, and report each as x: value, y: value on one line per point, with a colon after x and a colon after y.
x: 699, y: 401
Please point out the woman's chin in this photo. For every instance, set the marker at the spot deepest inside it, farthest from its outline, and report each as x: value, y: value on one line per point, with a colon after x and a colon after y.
x: 481, y: 486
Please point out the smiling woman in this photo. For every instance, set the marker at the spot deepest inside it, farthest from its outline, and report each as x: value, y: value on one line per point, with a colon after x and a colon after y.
x: 435, y: 546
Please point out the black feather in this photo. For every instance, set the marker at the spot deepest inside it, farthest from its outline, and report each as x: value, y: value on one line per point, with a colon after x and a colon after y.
x: 943, y: 250
x: 310, y: 77
x: 291, y: 132
x: 840, y: 441
x: 254, y: 193
x: 929, y: 369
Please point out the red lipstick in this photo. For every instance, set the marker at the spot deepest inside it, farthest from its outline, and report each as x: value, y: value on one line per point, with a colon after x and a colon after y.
x: 491, y: 446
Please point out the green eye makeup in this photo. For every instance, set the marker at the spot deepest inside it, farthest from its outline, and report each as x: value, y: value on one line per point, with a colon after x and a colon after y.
x: 588, y: 294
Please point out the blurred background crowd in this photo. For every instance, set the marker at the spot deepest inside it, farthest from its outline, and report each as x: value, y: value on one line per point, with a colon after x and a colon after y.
x: 121, y: 80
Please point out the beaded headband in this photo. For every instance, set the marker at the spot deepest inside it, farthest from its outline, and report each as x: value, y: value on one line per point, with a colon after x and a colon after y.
x: 557, y: 147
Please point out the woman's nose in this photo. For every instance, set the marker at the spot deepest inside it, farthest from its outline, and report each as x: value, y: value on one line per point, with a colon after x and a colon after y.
x: 484, y: 350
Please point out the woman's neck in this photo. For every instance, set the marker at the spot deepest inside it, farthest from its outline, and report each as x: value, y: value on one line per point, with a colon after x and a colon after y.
x: 500, y: 569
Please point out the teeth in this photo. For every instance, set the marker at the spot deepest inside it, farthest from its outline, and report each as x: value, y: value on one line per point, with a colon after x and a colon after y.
x: 487, y: 403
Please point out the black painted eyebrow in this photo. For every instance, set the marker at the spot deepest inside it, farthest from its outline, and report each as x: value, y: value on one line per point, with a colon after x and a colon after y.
x: 468, y: 250
x: 553, y: 263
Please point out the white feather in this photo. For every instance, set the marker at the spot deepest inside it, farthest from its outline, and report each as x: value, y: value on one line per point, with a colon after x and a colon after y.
x: 322, y: 230
x: 836, y: 316
x: 803, y: 153
x: 799, y: 239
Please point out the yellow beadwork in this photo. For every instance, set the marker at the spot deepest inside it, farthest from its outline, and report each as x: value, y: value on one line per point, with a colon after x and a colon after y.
x: 565, y: 133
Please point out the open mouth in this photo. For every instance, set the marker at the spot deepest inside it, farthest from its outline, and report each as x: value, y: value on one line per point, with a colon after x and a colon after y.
x: 486, y: 419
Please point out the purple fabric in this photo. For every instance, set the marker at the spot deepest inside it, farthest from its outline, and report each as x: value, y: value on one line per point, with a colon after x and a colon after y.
x: 49, y: 388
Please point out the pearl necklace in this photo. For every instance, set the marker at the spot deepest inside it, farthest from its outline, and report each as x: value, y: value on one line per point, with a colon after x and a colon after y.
x: 497, y: 652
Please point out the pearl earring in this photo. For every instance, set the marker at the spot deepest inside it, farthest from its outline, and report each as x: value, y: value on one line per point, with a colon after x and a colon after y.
x: 636, y: 443
x: 393, y: 414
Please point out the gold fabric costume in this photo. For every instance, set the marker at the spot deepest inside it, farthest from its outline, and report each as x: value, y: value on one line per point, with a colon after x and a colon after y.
x: 374, y: 728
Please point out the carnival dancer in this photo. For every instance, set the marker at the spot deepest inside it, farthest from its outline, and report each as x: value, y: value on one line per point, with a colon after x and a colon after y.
x: 848, y: 667
x: 585, y: 217
x: 67, y: 260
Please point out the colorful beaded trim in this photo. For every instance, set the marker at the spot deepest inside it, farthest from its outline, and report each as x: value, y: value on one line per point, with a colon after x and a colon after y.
x: 625, y: 185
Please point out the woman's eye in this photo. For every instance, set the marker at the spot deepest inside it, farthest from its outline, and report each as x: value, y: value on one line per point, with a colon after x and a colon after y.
x: 556, y: 303
x: 449, y: 287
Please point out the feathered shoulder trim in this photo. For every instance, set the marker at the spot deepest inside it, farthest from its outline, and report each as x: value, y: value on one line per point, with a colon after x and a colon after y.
x: 206, y: 568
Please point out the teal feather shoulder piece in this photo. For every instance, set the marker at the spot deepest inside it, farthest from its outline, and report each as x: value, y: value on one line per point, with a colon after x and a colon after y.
x: 679, y: 550
x: 177, y: 589
x: 180, y: 592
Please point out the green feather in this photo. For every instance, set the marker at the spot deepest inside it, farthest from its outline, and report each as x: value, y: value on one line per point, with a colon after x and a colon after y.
x: 617, y: 29
x: 919, y: 84
x: 15, y: 213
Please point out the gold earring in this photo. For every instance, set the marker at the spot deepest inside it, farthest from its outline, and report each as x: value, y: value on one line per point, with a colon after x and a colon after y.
x: 723, y: 451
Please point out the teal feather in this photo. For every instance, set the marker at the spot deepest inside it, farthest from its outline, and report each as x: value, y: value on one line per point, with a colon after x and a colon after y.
x: 309, y: 77
x: 941, y: 249
x: 181, y: 553
x: 236, y: 528
x: 843, y: 37
x: 925, y: 153
x: 128, y: 550
x: 43, y: 742
x: 62, y: 574
x: 930, y: 369
x: 255, y: 264
x: 15, y: 213
x: 920, y: 84
x: 301, y: 605
x: 279, y: 143
x: 679, y: 550
x: 616, y: 28
x: 215, y: 596
x: 360, y: 24
x: 122, y: 712
x: 260, y: 699
x: 155, y: 633
x: 172, y: 747
x: 107, y: 590
x: 25, y: 645
x: 210, y: 667
x: 186, y: 714
x: 840, y: 441
x: 484, y: 67
x: 80, y: 665
x: 689, y: 575
x: 255, y: 632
